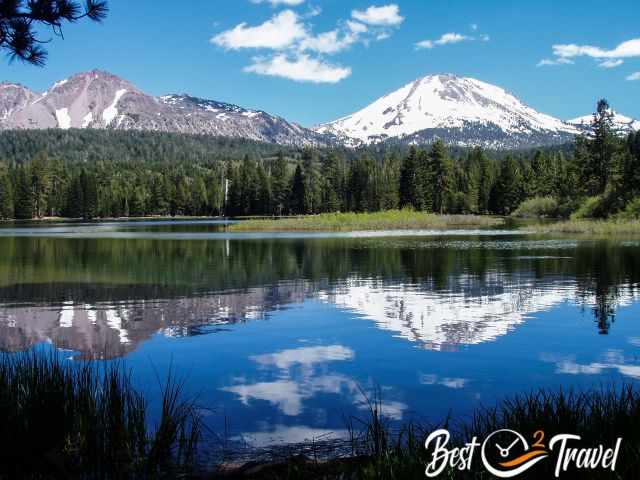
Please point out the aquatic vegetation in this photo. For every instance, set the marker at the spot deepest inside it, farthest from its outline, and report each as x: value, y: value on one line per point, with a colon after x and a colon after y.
x: 591, y: 227
x: 386, y: 220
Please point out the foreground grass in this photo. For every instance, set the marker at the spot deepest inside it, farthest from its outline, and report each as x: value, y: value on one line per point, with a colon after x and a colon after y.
x: 379, y: 452
x: 386, y: 220
x: 591, y: 227
x: 66, y: 420
x: 61, y: 419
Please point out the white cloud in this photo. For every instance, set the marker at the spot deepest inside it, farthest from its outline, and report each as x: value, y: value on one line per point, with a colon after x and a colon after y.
x: 611, y: 63
x: 357, y: 27
x: 630, y: 48
x: 634, y: 77
x: 275, y: 3
x: 474, y: 26
x: 292, y: 41
x: 565, y: 53
x: 281, y: 31
x: 387, y: 15
x: 301, y: 68
x: 329, y: 42
x: 556, y: 61
x: 445, y: 39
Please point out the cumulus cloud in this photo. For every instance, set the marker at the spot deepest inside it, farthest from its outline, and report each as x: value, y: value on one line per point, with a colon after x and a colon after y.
x: 301, y: 68
x: 630, y: 48
x: 634, y: 77
x: 445, y: 39
x: 279, y: 32
x: 292, y: 41
x: 275, y: 3
x: 606, y: 58
x: 387, y: 15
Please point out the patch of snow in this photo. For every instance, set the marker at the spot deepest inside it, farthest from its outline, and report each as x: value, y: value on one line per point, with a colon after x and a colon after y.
x: 88, y: 118
x: 250, y: 114
x: 222, y: 116
x: 64, y: 120
x: 58, y: 84
x: 111, y: 111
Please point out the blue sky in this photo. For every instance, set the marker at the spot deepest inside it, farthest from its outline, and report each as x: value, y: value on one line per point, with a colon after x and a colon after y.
x: 316, y: 60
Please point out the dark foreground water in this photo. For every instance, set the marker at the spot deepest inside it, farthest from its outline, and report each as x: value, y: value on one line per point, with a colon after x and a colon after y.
x: 282, y: 336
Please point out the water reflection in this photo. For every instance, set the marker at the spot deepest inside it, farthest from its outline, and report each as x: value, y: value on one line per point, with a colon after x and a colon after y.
x: 94, y: 295
x: 283, y: 336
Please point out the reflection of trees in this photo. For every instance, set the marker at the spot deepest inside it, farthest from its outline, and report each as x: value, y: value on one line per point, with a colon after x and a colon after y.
x: 52, y: 270
x: 604, y: 271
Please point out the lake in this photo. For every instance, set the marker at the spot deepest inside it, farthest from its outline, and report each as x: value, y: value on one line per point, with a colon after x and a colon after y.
x: 282, y: 336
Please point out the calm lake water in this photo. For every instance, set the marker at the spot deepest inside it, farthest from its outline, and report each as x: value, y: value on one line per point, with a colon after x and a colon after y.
x: 282, y: 334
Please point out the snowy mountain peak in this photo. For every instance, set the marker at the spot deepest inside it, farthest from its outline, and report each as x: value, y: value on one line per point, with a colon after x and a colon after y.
x: 621, y: 123
x: 463, y: 111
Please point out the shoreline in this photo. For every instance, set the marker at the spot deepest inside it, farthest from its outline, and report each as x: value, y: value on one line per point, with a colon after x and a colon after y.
x: 389, y: 220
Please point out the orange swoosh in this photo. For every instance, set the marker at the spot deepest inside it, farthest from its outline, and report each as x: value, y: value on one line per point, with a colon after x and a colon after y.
x: 523, y: 458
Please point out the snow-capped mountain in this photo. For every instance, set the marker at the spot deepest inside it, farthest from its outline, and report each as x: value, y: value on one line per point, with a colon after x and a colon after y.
x: 101, y: 100
x: 622, y: 124
x: 461, y: 111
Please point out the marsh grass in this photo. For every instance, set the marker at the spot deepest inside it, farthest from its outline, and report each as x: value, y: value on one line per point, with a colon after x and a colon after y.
x: 382, y: 452
x: 376, y: 221
x: 63, y: 419
x: 590, y: 227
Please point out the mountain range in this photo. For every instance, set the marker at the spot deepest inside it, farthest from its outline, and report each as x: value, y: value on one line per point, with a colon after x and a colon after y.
x: 461, y: 111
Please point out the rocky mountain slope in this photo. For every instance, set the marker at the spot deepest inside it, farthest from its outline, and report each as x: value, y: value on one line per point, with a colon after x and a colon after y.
x: 99, y: 99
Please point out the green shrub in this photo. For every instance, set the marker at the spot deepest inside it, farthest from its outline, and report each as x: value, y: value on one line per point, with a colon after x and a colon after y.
x: 632, y: 210
x: 537, y: 207
x: 592, y: 207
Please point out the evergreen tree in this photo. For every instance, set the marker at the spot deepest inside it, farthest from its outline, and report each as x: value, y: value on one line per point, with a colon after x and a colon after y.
x: 23, y: 200
x: 6, y: 196
x: 296, y: 200
x: 280, y: 185
x: 334, y: 177
x: 507, y: 192
x: 441, y: 177
x: 313, y: 183
x: 410, y: 190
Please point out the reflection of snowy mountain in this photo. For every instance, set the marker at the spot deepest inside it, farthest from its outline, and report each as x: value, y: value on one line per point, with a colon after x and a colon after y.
x: 442, y: 320
x: 115, y: 328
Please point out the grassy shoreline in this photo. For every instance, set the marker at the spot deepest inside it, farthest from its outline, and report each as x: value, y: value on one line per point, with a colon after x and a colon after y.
x: 385, y: 220
x: 589, y: 227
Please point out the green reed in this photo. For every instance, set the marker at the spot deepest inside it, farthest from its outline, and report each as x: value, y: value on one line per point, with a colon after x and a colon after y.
x: 64, y: 419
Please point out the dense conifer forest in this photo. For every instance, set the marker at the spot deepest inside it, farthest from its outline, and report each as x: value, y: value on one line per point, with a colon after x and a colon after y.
x: 98, y: 174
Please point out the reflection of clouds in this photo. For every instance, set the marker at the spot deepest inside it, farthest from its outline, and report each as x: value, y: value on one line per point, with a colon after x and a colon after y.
x: 611, y: 360
x: 285, y: 359
x: 294, y: 386
x: 282, y: 434
x: 288, y: 395
x: 455, y: 383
